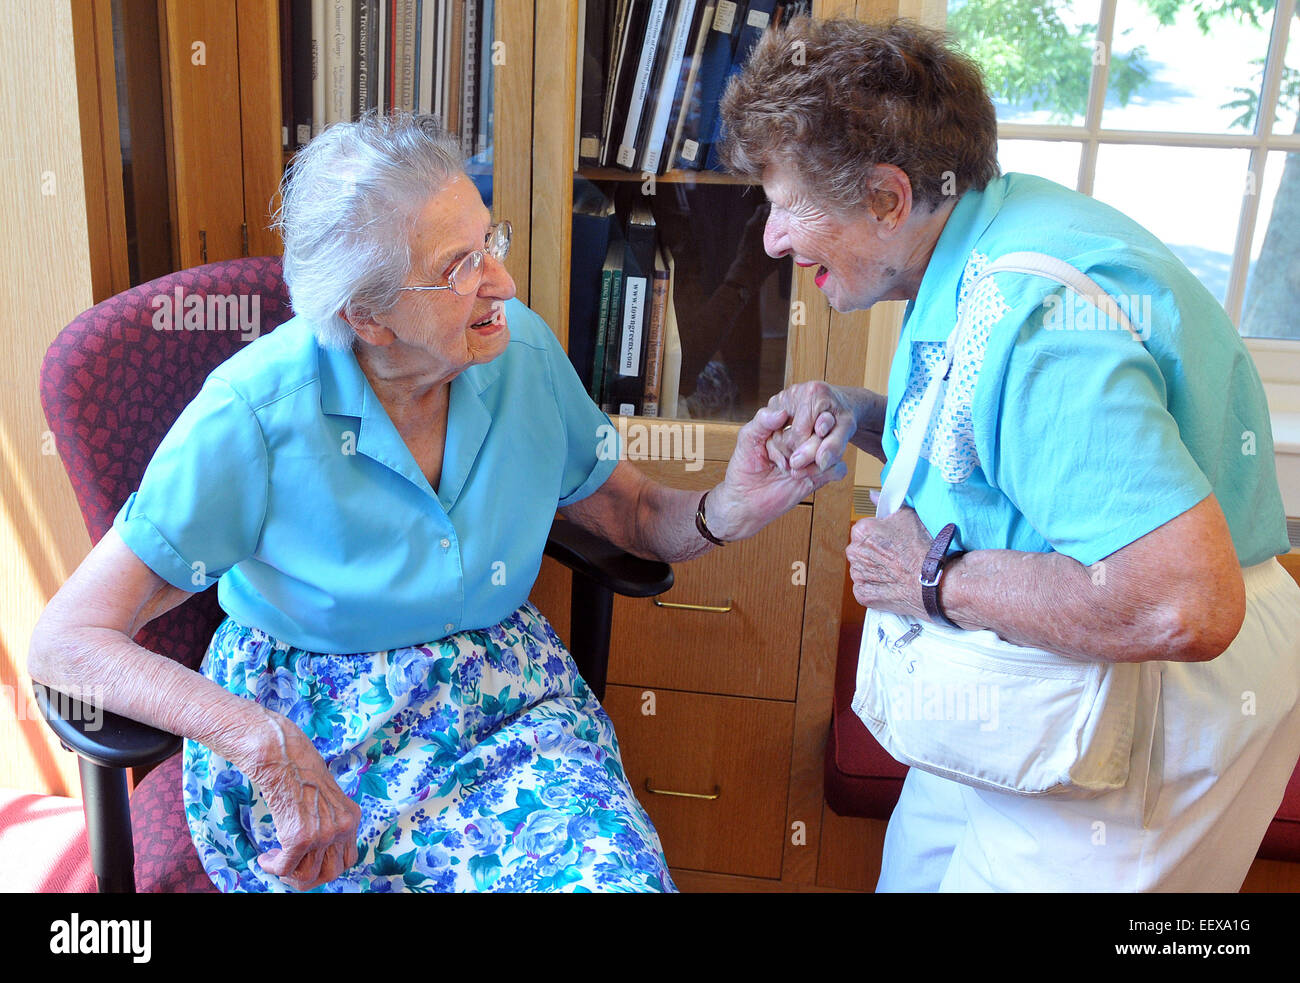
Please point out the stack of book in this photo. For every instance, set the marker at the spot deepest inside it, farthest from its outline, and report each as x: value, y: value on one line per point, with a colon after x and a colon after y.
x: 623, y: 338
x: 652, y: 73
x: 342, y: 58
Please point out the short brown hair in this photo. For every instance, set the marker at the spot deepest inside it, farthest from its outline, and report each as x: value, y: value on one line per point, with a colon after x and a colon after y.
x: 832, y: 99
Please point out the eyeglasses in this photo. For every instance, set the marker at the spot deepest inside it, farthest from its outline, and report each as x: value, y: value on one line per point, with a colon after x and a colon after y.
x: 467, y: 274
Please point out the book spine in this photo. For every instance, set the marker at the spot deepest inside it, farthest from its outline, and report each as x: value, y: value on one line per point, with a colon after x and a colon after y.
x: 667, y: 88
x: 363, y: 58
x: 319, y: 45
x: 303, y: 72
x: 483, y: 105
x: 470, y: 79
x: 602, y: 334
x: 712, y: 76
x: 611, y: 352
x: 287, y: 129
x: 339, y: 63
x: 654, y: 349
x: 690, y: 73
x: 626, y: 156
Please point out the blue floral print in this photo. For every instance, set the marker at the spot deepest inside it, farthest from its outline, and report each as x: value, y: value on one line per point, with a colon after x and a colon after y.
x: 481, y: 762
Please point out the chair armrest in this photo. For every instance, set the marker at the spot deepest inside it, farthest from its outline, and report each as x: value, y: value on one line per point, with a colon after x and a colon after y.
x: 601, y: 561
x: 104, y: 738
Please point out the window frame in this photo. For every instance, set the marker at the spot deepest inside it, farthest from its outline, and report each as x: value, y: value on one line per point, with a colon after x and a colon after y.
x: 1278, y: 360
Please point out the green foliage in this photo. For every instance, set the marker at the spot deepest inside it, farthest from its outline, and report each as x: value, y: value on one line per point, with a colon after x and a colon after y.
x: 1030, y: 55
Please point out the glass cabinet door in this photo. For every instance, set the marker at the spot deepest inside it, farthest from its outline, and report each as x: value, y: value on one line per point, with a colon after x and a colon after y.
x: 674, y: 308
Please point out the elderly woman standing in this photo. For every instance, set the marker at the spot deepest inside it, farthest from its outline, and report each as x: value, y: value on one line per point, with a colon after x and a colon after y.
x: 371, y: 486
x: 1094, y: 513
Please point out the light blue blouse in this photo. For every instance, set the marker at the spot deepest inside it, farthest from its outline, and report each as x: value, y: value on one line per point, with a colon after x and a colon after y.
x: 286, y: 483
x: 1059, y: 431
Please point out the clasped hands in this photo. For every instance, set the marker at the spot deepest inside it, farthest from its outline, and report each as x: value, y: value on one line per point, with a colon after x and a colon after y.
x: 810, y: 426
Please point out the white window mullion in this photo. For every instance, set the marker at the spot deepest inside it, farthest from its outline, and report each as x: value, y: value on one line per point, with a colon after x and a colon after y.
x: 1097, y: 94
x: 1266, y: 109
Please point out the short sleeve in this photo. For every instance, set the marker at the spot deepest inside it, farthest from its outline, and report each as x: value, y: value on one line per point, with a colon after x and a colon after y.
x: 202, y: 501
x: 1073, y: 427
x: 591, y: 441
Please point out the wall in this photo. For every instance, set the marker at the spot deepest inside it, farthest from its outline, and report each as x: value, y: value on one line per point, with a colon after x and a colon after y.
x: 45, y: 270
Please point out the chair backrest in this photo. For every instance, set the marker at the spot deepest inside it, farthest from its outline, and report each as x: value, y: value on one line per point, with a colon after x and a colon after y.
x: 115, y: 380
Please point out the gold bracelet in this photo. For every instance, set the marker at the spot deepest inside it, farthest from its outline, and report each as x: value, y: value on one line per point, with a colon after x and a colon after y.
x: 702, y: 526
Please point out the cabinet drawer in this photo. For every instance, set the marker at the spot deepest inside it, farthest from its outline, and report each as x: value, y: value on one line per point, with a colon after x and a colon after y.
x: 737, y: 748
x: 752, y: 649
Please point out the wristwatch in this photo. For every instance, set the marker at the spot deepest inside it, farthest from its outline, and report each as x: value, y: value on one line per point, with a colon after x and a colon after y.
x: 932, y: 573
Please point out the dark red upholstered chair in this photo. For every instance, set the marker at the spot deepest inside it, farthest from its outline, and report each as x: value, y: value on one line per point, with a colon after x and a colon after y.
x: 112, y: 385
x: 863, y: 780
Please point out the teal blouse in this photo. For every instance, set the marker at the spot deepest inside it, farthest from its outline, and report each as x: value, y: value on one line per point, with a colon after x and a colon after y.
x: 286, y: 484
x: 1059, y: 431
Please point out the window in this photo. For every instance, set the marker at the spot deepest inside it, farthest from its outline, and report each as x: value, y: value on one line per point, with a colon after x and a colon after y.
x: 1185, y: 115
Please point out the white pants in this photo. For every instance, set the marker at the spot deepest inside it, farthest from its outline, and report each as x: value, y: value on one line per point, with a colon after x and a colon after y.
x: 1212, y: 754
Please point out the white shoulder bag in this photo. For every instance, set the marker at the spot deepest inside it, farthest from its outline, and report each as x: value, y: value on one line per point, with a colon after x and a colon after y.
x: 967, y: 706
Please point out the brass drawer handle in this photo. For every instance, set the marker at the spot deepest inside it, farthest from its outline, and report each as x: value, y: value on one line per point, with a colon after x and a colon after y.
x: 694, y: 607
x: 717, y: 790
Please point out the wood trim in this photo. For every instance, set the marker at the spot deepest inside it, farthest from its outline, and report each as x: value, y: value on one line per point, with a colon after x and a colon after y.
x: 257, y: 26
x: 101, y: 148
x: 512, y: 180
x: 206, y: 156
x: 555, y: 53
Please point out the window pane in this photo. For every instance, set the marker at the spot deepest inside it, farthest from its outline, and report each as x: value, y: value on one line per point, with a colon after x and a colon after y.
x: 1058, y: 162
x: 1036, y: 54
x: 1189, y: 198
x: 1288, y: 100
x: 1272, y: 304
x: 1187, y: 75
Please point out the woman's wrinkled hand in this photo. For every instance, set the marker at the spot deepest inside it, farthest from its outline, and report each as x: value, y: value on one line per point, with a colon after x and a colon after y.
x: 885, y: 558
x: 818, y: 424
x: 756, y: 489
x: 315, y: 822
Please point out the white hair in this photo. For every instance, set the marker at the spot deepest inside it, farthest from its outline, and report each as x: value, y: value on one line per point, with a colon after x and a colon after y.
x: 348, y: 204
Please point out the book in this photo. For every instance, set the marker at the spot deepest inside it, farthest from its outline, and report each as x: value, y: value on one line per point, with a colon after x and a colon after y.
x: 591, y: 80
x: 593, y: 219
x: 426, y: 55
x: 483, y: 104
x: 757, y: 16
x: 287, y: 52
x: 678, y: 34
x: 364, y: 26
x: 686, y: 84
x: 455, y: 67
x: 471, y: 71
x: 639, y: 91
x: 670, y: 375
x: 338, y: 62
x: 318, y: 46
x: 626, y: 381
x: 654, y: 347
x: 611, y: 296
x: 711, y: 76
x: 304, y: 73
x: 631, y: 33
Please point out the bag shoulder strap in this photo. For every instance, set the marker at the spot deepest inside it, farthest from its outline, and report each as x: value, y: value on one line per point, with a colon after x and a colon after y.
x: 895, y: 489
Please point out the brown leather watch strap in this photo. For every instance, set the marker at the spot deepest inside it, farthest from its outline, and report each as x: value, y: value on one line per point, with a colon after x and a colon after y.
x: 932, y: 573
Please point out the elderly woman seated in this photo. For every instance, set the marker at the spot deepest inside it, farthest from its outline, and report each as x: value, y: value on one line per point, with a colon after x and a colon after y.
x: 371, y: 487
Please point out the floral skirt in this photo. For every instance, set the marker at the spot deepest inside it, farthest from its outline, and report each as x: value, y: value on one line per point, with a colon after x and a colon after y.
x: 481, y: 762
